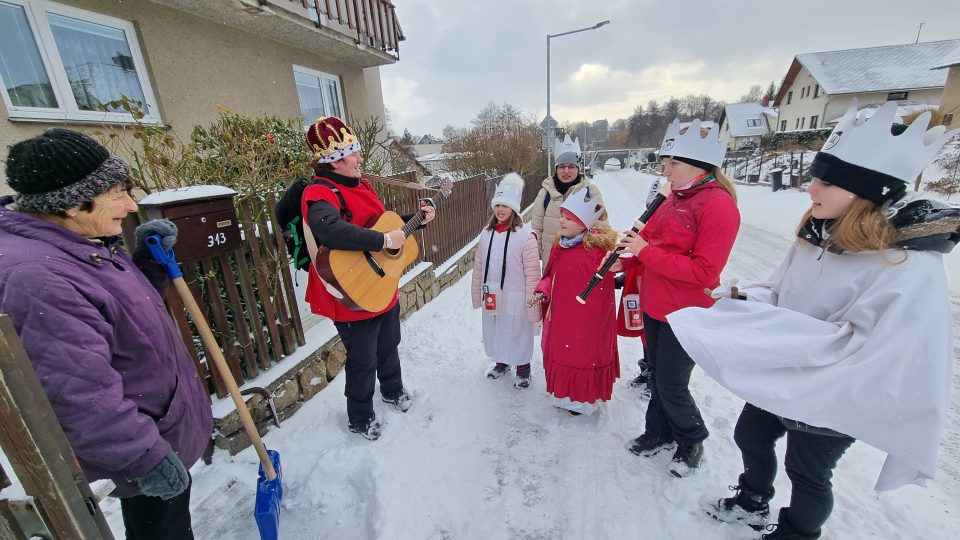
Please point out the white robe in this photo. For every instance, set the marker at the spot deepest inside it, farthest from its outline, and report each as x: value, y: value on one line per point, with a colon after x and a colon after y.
x: 508, y: 332
x: 849, y: 342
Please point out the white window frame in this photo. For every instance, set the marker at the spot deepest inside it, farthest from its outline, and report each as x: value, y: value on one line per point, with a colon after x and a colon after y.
x: 324, y: 77
x: 36, y: 11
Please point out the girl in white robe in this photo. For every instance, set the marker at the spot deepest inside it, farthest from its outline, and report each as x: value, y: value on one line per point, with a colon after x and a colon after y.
x: 851, y: 338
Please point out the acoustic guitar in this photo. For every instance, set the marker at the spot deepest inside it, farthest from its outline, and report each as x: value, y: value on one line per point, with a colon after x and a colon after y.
x: 368, y: 281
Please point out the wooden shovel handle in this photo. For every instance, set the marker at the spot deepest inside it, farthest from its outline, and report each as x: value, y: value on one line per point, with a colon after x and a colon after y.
x: 221, y: 364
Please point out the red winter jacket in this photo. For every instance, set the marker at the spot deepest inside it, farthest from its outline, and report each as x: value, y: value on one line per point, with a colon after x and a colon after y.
x: 366, y: 208
x: 690, y: 237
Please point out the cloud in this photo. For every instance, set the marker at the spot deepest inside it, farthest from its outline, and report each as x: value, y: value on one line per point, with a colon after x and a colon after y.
x: 404, y: 100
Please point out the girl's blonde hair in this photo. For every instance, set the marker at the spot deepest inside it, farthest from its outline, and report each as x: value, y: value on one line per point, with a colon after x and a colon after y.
x: 515, y: 222
x: 600, y: 235
x: 864, y: 227
x: 725, y: 182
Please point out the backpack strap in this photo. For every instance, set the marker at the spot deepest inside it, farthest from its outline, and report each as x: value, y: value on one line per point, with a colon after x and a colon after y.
x: 546, y: 200
x: 345, y: 214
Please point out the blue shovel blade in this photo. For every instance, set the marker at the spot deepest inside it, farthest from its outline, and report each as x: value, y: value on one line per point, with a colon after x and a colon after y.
x: 267, y: 508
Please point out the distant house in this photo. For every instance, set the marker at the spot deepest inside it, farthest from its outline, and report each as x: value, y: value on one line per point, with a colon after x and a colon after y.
x: 747, y: 121
x: 818, y: 87
x: 428, y: 144
x: 950, y: 102
x: 182, y: 58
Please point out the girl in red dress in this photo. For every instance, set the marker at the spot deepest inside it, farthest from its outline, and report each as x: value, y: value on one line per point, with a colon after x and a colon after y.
x: 579, y: 342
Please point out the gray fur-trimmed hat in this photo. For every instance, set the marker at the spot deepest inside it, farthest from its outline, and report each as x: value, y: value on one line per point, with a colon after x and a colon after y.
x: 60, y: 169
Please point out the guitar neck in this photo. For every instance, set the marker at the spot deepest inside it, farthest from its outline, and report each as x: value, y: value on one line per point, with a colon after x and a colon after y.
x: 410, y: 226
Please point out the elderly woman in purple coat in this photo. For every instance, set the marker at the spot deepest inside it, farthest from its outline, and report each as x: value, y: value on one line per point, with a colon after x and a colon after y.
x: 93, y: 322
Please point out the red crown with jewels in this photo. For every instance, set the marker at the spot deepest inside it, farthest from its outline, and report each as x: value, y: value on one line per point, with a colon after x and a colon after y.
x: 330, y: 139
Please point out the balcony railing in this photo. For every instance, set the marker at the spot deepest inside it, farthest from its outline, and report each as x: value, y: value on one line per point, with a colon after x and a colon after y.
x: 374, y: 21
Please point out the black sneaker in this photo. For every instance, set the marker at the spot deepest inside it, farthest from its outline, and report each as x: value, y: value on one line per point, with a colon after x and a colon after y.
x: 747, y: 506
x: 648, y: 446
x: 369, y: 429
x: 784, y: 530
x: 686, y: 460
x: 401, y: 401
x: 497, y: 371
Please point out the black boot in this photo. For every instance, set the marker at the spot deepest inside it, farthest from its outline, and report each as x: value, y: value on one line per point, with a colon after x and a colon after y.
x: 496, y: 371
x: 523, y: 377
x: 784, y: 530
x: 686, y: 460
x: 647, y: 446
x: 369, y: 428
x: 748, y: 507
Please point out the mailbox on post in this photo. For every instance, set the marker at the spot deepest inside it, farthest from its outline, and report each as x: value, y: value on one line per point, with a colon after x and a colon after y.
x: 205, y: 217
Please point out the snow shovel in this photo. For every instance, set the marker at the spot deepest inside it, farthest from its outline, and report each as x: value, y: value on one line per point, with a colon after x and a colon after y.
x: 269, y: 488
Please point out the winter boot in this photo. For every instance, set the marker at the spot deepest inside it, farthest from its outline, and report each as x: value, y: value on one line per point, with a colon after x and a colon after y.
x: 784, y: 530
x: 369, y: 429
x: 747, y: 506
x: 523, y: 377
x: 401, y: 401
x: 496, y: 371
x: 686, y: 460
x: 648, y: 446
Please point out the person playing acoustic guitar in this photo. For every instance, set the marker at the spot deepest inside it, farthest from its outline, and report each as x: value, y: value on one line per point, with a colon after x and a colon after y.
x: 339, y: 207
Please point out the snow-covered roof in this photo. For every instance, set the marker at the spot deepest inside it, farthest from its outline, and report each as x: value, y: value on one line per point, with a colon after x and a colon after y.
x: 952, y: 58
x: 873, y: 69
x: 746, y: 119
x: 185, y: 194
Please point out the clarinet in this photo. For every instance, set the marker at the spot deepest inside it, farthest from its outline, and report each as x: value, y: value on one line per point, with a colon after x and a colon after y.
x: 662, y: 194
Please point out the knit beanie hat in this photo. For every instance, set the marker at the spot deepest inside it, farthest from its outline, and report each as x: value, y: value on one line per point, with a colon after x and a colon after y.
x: 330, y: 139
x: 567, y: 158
x: 61, y: 169
x: 509, y: 192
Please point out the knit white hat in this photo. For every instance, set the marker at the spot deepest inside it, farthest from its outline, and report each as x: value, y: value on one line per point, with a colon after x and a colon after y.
x: 587, y: 209
x: 691, y: 145
x: 508, y: 192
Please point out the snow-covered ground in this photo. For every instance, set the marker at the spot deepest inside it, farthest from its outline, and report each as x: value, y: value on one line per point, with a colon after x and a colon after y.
x: 476, y: 458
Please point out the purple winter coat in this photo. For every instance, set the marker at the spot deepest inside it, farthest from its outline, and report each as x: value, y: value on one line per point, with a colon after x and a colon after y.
x: 110, y: 360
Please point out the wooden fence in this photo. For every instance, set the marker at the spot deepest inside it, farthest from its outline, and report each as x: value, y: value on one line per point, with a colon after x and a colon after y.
x: 252, y: 307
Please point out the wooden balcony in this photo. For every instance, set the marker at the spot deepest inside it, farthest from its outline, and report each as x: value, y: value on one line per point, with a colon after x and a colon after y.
x: 363, y: 33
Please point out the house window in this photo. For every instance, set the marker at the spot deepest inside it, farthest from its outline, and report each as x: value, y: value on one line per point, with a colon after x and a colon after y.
x: 753, y: 122
x: 896, y: 96
x: 802, y: 122
x: 816, y: 91
x: 796, y: 124
x: 803, y: 93
x: 62, y: 63
x: 789, y: 97
x: 783, y: 125
x: 813, y: 121
x: 319, y: 94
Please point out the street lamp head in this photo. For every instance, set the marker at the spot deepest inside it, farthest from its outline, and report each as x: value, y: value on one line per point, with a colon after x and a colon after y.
x: 599, y: 24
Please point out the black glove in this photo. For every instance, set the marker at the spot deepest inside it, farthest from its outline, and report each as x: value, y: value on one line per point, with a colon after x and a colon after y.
x: 166, y: 480
x: 163, y: 227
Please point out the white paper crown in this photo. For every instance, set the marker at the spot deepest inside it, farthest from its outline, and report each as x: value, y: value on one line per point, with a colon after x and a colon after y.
x: 870, y: 144
x: 509, y: 192
x: 690, y: 144
x: 587, y: 209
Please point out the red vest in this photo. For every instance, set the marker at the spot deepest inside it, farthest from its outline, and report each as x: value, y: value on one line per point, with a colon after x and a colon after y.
x: 366, y: 208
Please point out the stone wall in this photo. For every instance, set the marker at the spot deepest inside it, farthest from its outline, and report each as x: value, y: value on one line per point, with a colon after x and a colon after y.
x: 314, y: 373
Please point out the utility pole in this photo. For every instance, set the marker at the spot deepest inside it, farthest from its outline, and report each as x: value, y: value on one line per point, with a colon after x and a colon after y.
x: 918, y: 34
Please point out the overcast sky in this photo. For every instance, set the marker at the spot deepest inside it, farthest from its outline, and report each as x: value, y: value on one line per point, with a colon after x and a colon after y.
x: 461, y: 54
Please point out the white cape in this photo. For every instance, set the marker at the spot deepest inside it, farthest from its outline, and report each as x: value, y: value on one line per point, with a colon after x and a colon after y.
x: 848, y: 342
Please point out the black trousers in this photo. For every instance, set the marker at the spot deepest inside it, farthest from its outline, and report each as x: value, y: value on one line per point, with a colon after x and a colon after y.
x: 672, y: 413
x: 152, y: 518
x: 810, y: 460
x: 371, y: 354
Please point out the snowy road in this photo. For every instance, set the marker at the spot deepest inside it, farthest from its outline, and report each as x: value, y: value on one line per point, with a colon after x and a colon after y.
x: 477, y: 459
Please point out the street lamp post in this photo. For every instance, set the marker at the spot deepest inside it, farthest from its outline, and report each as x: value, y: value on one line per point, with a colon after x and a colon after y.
x: 550, y: 127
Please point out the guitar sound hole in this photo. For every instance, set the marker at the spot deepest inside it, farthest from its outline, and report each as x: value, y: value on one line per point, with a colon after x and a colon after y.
x: 392, y: 252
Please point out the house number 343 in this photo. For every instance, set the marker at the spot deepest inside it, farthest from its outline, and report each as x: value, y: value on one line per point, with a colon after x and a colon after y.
x: 216, y: 239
